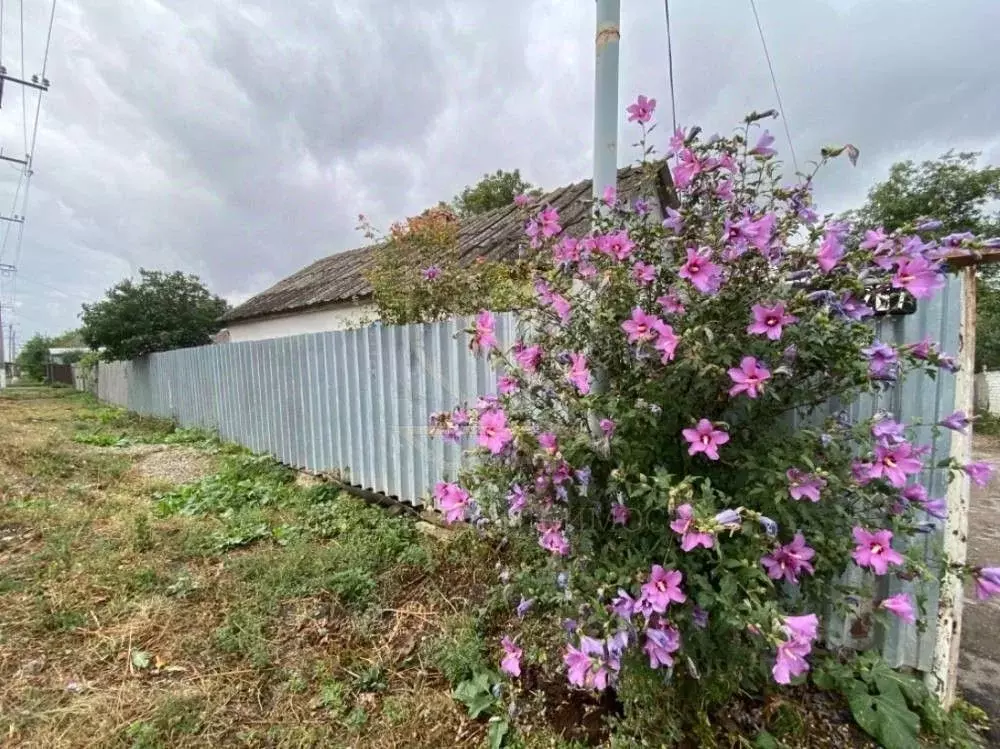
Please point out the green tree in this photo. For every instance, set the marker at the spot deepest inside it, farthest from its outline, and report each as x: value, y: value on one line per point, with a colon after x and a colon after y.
x: 162, y: 311
x: 33, y: 357
x: 492, y: 191
x: 960, y: 194
x: 68, y: 339
x: 951, y: 189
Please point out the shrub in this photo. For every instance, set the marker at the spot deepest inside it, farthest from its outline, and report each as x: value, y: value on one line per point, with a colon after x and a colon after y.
x: 418, y: 276
x: 660, y: 431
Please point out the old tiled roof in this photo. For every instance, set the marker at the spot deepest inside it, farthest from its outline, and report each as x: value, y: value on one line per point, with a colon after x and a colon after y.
x: 497, y: 235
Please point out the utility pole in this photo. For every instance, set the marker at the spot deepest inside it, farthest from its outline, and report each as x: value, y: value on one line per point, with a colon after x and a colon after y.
x: 39, y: 83
x: 3, y: 359
x: 22, y: 162
x: 606, y: 96
x: 42, y: 84
x: 605, y: 130
x: 6, y: 270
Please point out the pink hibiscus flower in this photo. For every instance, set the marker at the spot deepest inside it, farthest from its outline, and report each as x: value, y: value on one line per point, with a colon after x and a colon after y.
x: 666, y: 341
x: 900, y: 605
x: 579, y: 375
x: 804, y: 485
x: 700, y: 271
x: 662, y: 589
x: 691, y: 538
x: 770, y: 321
x: 483, y: 338
x: 641, y: 110
x: 705, y: 438
x: 789, y: 561
x: 494, y: 433
x: 552, y: 538
x: 452, y: 500
x: 749, y: 377
x: 875, y: 550
x: 511, y: 661
x: 640, y: 328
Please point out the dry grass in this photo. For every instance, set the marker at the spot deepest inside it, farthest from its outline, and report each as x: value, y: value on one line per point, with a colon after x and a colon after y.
x: 121, y: 628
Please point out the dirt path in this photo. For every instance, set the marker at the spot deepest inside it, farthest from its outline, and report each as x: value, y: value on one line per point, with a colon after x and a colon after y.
x: 979, y: 675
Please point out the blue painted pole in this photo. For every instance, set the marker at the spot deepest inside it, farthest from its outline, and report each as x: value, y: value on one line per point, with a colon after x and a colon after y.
x: 606, y: 96
x: 605, y: 130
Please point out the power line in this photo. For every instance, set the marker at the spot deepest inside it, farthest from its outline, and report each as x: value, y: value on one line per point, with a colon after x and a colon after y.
x: 48, y: 37
x: 24, y: 98
x: 670, y: 65
x: 20, y: 226
x: 44, y: 285
x: 774, y: 81
x: 13, y: 210
x: 29, y: 167
x: 38, y: 108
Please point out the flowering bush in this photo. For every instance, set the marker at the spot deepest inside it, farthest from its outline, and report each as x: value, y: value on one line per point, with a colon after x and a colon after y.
x: 416, y: 274
x: 642, y: 438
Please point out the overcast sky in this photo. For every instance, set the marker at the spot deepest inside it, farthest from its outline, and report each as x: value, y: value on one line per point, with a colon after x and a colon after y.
x: 239, y: 140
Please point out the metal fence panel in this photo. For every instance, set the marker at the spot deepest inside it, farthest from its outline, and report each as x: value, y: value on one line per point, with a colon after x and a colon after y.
x: 921, y: 400
x: 356, y: 402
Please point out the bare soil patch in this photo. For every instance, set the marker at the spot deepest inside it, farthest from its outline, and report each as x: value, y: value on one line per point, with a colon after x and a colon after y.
x: 171, y: 465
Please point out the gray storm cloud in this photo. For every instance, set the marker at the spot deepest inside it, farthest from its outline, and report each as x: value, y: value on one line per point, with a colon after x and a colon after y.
x: 240, y: 140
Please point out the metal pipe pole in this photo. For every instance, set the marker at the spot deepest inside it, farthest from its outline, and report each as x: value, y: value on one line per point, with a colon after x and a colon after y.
x: 606, y: 96
x: 605, y: 132
x: 3, y: 358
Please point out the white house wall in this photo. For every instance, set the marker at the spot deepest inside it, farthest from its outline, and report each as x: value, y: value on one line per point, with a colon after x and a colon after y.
x: 341, y: 317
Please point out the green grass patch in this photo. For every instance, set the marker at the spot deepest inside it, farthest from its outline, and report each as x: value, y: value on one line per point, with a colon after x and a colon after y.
x: 174, y: 719
x: 245, y: 633
x: 53, y: 618
x: 244, y: 481
x: 51, y: 462
x: 104, y: 426
x: 460, y: 651
x: 244, y: 608
x: 37, y: 391
x: 987, y: 423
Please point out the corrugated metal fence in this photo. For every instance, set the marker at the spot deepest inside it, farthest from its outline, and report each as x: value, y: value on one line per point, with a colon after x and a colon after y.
x: 921, y: 400
x: 357, y: 403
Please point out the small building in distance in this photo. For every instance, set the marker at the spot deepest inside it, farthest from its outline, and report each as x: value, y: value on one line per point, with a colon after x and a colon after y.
x: 67, y: 354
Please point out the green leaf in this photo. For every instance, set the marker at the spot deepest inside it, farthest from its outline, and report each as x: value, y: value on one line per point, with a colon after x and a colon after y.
x: 832, y: 675
x: 912, y: 688
x: 141, y: 659
x: 497, y: 732
x: 886, y: 678
x: 825, y: 680
x: 885, y: 716
x: 476, y: 694
x: 765, y: 740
